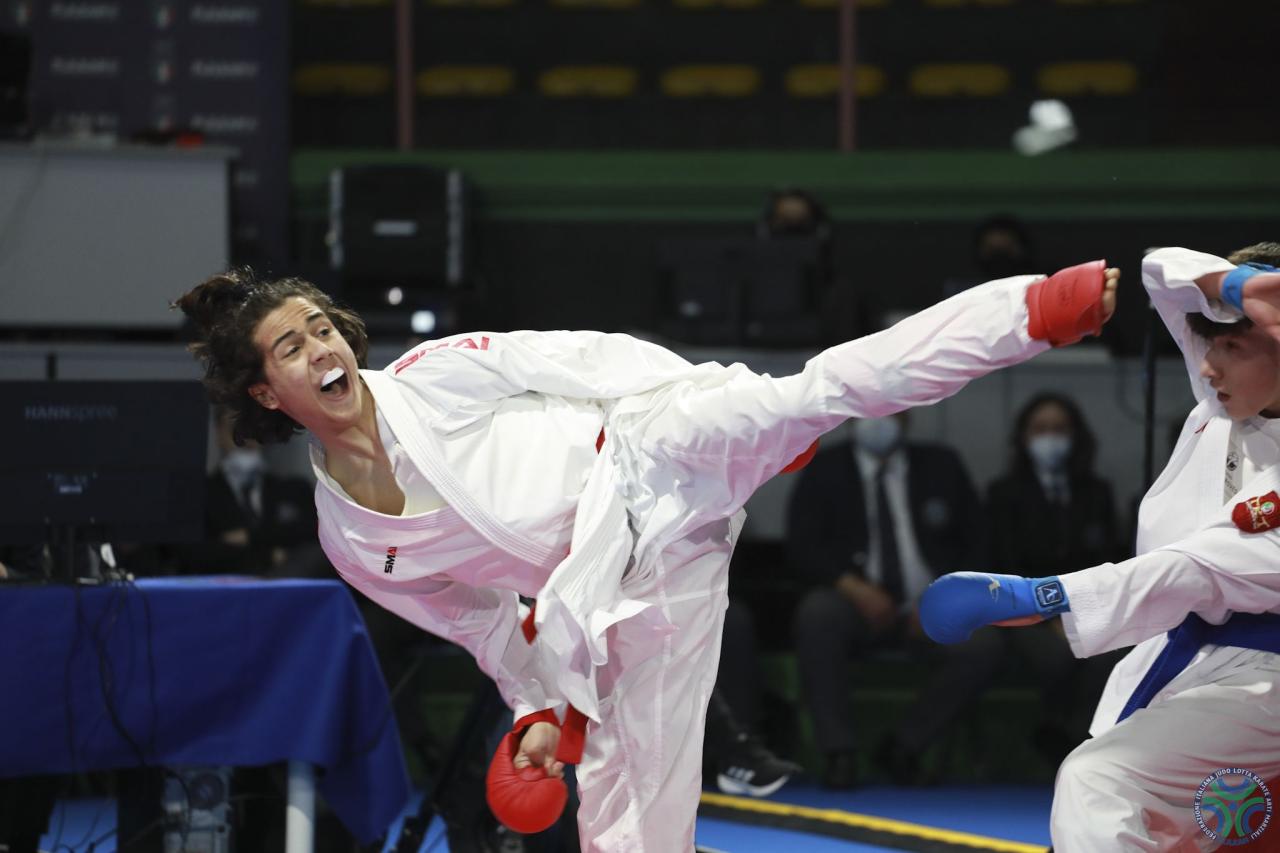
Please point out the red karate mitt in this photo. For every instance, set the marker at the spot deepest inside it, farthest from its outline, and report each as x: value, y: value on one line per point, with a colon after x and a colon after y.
x: 526, y: 800
x: 1066, y: 306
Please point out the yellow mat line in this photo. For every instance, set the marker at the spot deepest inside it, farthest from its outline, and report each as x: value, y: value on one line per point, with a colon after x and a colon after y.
x: 872, y: 822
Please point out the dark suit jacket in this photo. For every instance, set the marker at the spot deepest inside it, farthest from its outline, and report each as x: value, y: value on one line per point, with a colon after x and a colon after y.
x: 288, y: 520
x: 827, y: 533
x: 1030, y: 536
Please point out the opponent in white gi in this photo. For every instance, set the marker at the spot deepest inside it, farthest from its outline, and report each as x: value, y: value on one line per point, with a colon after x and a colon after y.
x: 1206, y: 696
x: 471, y: 471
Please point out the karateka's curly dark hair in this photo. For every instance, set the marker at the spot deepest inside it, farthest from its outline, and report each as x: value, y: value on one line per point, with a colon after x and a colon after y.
x: 225, y: 311
x: 1263, y: 253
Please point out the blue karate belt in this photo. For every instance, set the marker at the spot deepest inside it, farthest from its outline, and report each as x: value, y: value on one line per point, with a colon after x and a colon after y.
x: 1259, y: 631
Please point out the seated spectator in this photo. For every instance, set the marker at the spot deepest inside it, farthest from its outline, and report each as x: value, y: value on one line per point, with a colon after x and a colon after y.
x: 793, y: 214
x: 1001, y: 247
x: 256, y: 522
x: 733, y: 752
x: 871, y: 524
x: 1050, y: 514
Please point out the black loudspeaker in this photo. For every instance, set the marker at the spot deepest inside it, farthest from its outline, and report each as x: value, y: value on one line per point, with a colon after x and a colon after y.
x: 15, y: 72
x: 400, y: 226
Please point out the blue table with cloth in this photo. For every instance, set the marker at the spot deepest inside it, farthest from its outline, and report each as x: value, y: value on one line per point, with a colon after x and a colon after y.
x: 200, y: 672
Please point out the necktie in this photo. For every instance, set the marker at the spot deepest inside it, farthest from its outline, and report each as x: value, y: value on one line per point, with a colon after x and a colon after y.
x: 1054, y: 486
x: 246, y: 501
x: 890, y: 565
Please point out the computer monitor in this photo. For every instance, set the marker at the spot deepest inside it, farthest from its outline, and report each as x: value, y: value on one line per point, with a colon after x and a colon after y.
x: 115, y: 460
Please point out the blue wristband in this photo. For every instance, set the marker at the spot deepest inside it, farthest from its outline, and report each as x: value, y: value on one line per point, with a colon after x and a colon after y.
x: 1233, y: 284
x: 1051, y: 598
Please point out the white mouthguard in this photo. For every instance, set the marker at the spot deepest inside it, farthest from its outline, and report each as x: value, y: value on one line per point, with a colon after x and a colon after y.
x: 332, y: 376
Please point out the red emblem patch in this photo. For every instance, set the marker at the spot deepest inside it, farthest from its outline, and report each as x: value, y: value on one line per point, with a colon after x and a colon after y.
x: 1257, y: 514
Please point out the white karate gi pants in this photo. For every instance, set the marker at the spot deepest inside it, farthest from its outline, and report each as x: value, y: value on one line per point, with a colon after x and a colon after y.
x: 1133, y: 787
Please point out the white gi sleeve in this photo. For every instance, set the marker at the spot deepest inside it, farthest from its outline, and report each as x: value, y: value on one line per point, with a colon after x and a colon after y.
x: 920, y: 360
x: 931, y: 354
x: 485, y: 622
x: 1170, y: 278
x: 609, y: 364
x: 1213, y: 572
x: 574, y: 364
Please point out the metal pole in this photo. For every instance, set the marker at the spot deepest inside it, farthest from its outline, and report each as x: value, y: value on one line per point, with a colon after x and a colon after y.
x: 848, y: 74
x: 404, y: 74
x: 1149, y: 397
x: 300, y: 812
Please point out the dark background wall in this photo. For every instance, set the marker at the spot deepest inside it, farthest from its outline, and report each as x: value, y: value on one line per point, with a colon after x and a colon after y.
x: 572, y: 239
x: 542, y: 275
x: 1183, y: 93
x: 576, y: 194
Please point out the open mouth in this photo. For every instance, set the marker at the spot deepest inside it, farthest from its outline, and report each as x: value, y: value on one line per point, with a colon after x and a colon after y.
x: 334, y: 383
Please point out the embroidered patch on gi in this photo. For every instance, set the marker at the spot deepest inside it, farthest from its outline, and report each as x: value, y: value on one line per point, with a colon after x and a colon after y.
x: 1257, y: 514
x: 1233, y: 807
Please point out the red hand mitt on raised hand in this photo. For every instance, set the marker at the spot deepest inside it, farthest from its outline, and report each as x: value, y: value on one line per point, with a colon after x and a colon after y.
x: 1066, y: 306
x: 525, y: 800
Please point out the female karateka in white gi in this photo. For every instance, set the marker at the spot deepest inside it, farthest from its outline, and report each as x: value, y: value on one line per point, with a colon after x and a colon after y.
x: 602, y: 475
x: 1205, y: 697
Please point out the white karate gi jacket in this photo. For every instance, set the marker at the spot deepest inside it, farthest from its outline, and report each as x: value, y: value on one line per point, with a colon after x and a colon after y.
x: 1191, y: 557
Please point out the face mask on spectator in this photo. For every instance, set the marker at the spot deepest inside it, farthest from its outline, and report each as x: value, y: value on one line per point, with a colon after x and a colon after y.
x: 877, y: 436
x: 1050, y: 450
x: 242, y: 465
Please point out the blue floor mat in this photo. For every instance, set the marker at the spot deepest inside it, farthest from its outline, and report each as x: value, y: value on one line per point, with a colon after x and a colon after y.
x: 1015, y: 813
x: 1006, y: 812
x: 733, y: 837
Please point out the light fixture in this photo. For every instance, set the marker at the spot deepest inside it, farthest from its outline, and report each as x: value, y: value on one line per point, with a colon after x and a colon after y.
x: 423, y: 322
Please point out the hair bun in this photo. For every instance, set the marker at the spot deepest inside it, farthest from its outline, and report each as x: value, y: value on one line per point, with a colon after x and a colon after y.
x: 216, y: 297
